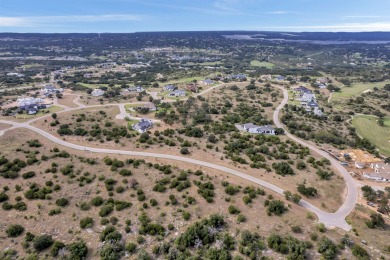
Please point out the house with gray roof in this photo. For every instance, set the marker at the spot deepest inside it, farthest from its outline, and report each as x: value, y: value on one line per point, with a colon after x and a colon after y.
x: 207, y: 82
x: 170, y: 87
x: 178, y: 93
x: 136, y: 89
x: 143, y: 125
x: 378, y: 172
x: 254, y: 129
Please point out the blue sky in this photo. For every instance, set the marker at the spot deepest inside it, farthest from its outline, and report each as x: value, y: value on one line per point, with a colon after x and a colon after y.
x: 195, y: 15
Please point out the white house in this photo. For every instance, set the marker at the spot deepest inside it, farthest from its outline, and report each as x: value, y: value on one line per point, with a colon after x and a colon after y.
x: 97, y: 92
x: 254, y: 129
x: 178, y: 93
x: 207, y: 82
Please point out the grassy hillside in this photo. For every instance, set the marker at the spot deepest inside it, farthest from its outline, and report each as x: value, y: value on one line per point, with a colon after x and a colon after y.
x: 368, y: 127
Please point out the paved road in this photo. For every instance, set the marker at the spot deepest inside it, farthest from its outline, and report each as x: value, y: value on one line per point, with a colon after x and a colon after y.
x: 329, y: 219
x: 337, y: 218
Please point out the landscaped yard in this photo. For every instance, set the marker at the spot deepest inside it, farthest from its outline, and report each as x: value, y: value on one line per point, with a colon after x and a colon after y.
x: 41, y: 112
x: 356, y: 90
x: 368, y: 127
x: 256, y: 63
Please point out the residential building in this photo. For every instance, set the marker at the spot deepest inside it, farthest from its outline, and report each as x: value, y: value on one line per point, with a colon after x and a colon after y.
x: 19, y: 75
x: 241, y: 77
x: 207, y: 82
x: 151, y: 106
x: 136, y: 89
x: 97, y: 92
x: 178, y: 93
x: 143, y: 125
x: 192, y: 88
x: 30, y: 101
x: 307, y: 98
x: 254, y: 129
x: 302, y: 90
x: 50, y: 89
x: 279, y: 78
x: 170, y: 87
x: 266, y: 77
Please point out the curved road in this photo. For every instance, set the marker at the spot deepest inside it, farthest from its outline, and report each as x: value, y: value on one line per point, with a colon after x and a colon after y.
x: 336, y: 219
x: 352, y: 194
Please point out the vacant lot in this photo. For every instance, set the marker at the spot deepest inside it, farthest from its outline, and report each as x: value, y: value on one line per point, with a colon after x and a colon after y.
x: 86, y: 180
x: 356, y: 90
x: 368, y: 127
x: 256, y: 63
x: 67, y: 100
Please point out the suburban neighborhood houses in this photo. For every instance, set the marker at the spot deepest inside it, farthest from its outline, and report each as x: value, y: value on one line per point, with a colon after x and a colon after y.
x: 308, y: 100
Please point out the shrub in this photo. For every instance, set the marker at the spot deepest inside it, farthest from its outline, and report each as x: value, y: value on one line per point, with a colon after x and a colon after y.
x: 241, y: 218
x: 62, y: 202
x: 276, y: 207
x: 321, y: 227
x: 97, y: 201
x: 360, y: 252
x: 307, y: 191
x: 131, y: 247
x: 301, y: 165
x: 106, y: 210
x: 28, y: 175
x: 57, y: 246
x: 324, y: 175
x: 184, y: 150
x: 14, y: 230
x: 86, y: 222
x: 233, y: 210
x: 3, y: 197
x: 327, y: 248
x: 54, y: 211
x: 289, y: 245
x: 42, y: 242
x: 186, y: 215
x: 78, y: 250
x: 376, y: 221
x: 231, y: 190
x: 283, y: 168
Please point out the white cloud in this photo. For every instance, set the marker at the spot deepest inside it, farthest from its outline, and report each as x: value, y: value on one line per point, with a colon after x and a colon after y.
x: 33, y: 21
x: 13, y: 22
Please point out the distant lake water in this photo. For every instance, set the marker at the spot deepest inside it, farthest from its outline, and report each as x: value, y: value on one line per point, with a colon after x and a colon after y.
x: 330, y: 42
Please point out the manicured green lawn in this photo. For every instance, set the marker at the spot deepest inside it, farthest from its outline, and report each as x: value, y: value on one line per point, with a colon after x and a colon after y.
x: 41, y: 112
x: 256, y: 63
x: 356, y: 90
x: 368, y: 127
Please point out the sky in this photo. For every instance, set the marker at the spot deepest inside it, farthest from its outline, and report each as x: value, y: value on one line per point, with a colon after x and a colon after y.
x: 66, y: 16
